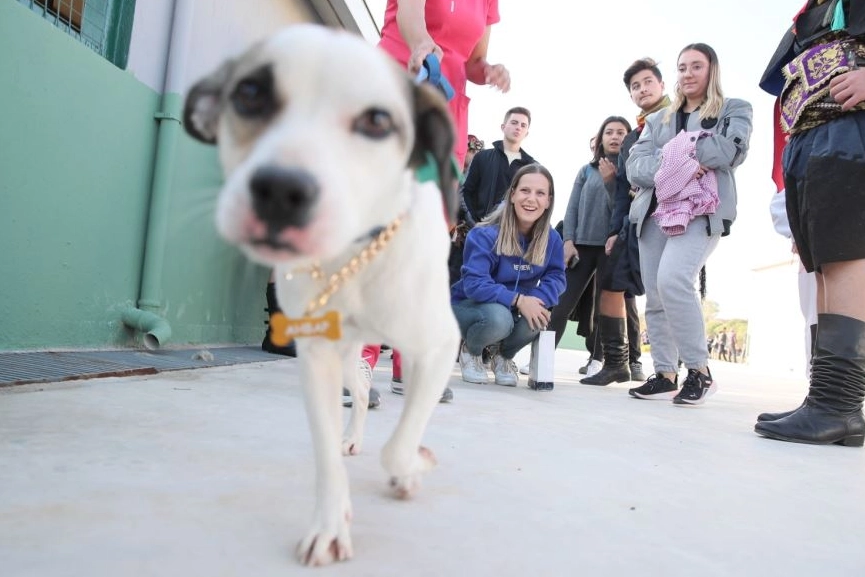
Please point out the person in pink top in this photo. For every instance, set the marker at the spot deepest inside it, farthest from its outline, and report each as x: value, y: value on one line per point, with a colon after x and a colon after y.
x: 458, y: 33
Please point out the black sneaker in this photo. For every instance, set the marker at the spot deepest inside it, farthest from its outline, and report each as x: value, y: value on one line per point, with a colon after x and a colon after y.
x: 696, y: 388
x: 656, y: 388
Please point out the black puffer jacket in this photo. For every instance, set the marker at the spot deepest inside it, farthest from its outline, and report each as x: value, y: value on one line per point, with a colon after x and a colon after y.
x: 487, y: 181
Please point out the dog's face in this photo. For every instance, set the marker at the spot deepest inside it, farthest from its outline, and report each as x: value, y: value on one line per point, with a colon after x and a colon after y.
x: 316, y: 129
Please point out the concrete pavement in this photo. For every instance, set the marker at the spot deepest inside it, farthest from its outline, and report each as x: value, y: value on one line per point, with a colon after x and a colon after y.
x: 209, y: 473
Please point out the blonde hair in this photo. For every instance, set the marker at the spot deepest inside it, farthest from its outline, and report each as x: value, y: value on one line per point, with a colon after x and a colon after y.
x: 714, y: 100
x: 508, y: 239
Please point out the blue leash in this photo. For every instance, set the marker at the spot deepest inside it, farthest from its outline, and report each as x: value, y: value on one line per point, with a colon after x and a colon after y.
x: 431, y: 72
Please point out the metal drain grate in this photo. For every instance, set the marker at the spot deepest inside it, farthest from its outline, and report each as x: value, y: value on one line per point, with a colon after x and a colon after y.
x: 45, y: 366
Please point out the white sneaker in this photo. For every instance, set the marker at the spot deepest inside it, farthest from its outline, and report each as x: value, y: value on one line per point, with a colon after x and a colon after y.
x: 365, y: 371
x: 472, y: 367
x: 526, y: 369
x: 594, y: 367
x: 505, y: 371
x: 366, y: 375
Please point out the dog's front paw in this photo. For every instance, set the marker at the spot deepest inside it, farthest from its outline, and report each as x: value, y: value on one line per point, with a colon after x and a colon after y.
x: 406, y: 485
x: 328, y: 540
x: 352, y: 445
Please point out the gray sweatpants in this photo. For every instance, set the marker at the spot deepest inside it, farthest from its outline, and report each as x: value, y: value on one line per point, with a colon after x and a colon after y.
x: 674, y: 316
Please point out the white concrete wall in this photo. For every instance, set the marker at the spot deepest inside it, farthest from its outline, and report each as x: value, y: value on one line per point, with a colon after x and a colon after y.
x: 148, y: 50
x: 776, y: 327
x: 219, y: 29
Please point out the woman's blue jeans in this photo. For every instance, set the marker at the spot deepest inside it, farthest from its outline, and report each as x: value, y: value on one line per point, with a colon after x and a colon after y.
x: 484, y: 324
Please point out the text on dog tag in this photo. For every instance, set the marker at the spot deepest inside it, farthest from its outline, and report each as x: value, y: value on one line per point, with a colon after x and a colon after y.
x: 283, y: 330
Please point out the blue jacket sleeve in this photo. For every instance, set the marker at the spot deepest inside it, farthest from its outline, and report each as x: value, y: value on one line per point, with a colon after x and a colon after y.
x: 552, y: 283
x: 480, y: 262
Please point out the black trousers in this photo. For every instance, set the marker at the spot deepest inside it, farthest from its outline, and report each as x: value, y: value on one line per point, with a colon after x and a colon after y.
x: 592, y: 258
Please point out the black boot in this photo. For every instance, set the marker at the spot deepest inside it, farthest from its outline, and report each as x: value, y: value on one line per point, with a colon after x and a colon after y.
x: 615, y: 347
x: 634, y: 352
x: 775, y: 416
x: 832, y: 412
x: 288, y: 350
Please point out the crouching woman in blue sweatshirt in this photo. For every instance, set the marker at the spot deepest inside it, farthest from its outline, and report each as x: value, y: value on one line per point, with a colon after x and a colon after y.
x: 512, y: 275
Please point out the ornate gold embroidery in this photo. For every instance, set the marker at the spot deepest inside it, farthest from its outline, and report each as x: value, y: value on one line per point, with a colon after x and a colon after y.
x: 805, y: 100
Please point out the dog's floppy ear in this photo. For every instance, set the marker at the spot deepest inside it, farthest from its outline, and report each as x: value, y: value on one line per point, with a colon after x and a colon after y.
x: 204, y: 104
x: 434, y: 135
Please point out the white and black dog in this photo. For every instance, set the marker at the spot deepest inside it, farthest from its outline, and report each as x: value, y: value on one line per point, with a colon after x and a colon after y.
x: 319, y: 133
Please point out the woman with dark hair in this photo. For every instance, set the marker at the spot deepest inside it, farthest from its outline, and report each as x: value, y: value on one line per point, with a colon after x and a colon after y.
x: 512, y: 275
x: 586, y: 224
x: 683, y: 165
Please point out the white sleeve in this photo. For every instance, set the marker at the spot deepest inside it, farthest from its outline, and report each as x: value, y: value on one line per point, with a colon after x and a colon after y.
x: 778, y: 210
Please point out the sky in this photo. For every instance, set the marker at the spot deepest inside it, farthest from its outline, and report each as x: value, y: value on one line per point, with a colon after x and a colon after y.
x: 566, y: 60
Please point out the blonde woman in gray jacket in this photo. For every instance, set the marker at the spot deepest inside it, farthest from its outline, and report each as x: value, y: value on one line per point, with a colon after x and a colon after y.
x: 670, y: 260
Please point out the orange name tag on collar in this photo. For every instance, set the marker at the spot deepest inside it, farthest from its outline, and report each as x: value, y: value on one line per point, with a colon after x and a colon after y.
x: 283, y: 330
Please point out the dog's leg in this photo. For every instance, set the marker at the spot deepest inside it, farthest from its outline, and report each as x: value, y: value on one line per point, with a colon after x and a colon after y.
x: 352, y: 440
x: 403, y: 457
x: 328, y: 539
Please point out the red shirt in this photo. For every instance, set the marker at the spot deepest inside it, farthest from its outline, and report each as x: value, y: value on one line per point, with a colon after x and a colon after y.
x: 456, y: 26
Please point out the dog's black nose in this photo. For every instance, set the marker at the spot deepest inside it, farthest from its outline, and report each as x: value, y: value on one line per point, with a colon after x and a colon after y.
x: 283, y: 197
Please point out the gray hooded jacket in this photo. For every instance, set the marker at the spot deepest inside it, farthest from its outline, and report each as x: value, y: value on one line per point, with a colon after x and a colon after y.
x: 723, y: 151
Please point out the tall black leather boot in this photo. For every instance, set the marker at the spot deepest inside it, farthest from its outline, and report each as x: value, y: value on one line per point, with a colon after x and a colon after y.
x: 832, y: 412
x: 615, y: 345
x: 288, y: 350
x: 775, y: 416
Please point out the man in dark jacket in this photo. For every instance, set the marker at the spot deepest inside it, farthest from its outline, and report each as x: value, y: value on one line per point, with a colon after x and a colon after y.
x: 492, y: 169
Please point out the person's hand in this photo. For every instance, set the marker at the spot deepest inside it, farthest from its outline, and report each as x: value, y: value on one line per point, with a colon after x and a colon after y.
x: 420, y: 50
x: 570, y: 252
x: 700, y: 172
x: 534, y: 311
x: 848, y: 89
x: 607, y: 169
x: 608, y: 247
x: 497, y: 75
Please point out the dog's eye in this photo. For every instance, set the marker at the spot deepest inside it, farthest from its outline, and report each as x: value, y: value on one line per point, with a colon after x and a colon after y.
x: 253, y: 96
x: 374, y: 123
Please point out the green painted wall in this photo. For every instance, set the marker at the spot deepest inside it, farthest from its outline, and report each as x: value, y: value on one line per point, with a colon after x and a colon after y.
x: 77, y: 137
x: 212, y: 293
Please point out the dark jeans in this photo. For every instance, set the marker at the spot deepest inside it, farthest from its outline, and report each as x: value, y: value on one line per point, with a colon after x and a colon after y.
x: 484, y: 324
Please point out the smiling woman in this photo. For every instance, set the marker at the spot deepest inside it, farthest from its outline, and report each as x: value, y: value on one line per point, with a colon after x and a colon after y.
x: 513, y: 273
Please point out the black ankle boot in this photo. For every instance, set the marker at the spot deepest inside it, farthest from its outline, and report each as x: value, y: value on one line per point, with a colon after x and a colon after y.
x: 615, y: 346
x: 267, y: 345
x: 832, y: 412
x: 775, y: 416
